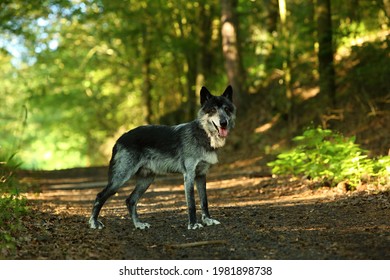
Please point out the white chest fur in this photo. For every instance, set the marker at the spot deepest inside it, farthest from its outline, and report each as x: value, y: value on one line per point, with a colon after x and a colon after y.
x: 216, y: 141
x: 210, y: 157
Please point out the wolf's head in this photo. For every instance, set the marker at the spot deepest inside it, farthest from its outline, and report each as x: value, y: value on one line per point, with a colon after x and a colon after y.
x: 217, y: 115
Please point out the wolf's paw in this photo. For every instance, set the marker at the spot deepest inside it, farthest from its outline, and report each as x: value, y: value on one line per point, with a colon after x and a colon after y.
x: 195, y: 226
x: 139, y: 225
x: 95, y: 224
x: 209, y: 221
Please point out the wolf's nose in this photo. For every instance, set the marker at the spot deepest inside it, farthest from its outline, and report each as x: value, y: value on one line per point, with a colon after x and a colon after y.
x: 223, y: 123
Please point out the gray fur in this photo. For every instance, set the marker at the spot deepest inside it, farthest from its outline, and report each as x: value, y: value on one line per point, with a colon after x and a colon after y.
x: 189, y: 149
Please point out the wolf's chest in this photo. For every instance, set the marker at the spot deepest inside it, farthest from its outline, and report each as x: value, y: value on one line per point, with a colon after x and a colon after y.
x: 210, y: 157
x: 205, y: 162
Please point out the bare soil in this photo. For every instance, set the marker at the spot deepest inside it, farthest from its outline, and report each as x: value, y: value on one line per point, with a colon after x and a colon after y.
x: 261, y: 218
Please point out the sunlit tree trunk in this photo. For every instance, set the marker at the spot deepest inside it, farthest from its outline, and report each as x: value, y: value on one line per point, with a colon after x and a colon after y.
x: 386, y: 7
x: 286, y: 46
x: 272, y: 20
x: 231, y: 49
x: 325, y: 51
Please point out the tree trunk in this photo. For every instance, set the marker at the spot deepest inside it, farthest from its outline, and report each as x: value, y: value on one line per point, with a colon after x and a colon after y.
x: 286, y: 46
x: 325, y: 52
x: 272, y: 15
x: 231, y: 49
x: 386, y: 7
x: 353, y: 10
x: 204, y: 54
x: 190, y: 71
x: 286, y: 52
x: 147, y: 83
x: 146, y: 90
x: 191, y: 82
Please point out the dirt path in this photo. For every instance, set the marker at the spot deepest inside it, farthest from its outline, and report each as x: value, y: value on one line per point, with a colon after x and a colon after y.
x: 262, y: 218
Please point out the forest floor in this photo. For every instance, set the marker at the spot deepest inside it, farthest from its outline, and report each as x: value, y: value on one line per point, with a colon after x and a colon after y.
x: 261, y: 218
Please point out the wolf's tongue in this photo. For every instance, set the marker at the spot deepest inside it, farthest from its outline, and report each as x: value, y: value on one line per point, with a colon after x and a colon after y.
x: 223, y: 132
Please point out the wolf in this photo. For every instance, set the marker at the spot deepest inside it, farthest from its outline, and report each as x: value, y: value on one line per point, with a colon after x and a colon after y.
x: 188, y: 148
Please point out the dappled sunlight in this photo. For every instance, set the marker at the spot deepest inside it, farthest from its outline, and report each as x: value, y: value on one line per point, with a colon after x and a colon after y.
x: 345, y: 50
x: 168, y: 195
x: 76, y: 75
x: 261, y: 218
x: 265, y: 127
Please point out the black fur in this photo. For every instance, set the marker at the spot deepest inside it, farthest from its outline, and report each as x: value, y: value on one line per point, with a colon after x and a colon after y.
x: 188, y: 148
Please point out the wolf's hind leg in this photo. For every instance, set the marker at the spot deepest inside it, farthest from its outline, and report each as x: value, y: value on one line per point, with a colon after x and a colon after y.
x: 117, y: 179
x: 101, y: 198
x: 141, y: 186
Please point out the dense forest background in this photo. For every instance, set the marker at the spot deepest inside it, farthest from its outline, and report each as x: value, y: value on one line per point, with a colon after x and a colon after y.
x: 75, y: 74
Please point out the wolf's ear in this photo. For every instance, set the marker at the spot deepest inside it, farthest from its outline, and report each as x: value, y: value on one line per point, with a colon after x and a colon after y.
x: 204, y: 95
x: 228, y: 93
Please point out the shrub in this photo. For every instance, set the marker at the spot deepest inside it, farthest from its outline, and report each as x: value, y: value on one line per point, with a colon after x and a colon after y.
x: 323, y: 155
x: 8, y: 168
x: 12, y: 205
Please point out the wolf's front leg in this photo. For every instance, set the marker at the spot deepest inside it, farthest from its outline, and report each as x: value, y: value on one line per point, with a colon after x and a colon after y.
x: 189, y: 192
x: 201, y: 187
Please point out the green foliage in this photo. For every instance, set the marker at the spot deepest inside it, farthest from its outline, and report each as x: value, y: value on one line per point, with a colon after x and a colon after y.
x: 8, y: 167
x: 321, y: 154
x: 12, y: 205
x: 88, y: 70
x: 12, y: 208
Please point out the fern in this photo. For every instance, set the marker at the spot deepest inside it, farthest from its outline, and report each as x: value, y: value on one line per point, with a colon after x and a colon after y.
x: 324, y: 155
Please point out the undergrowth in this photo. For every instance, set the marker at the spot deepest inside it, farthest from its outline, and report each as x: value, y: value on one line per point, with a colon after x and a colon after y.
x: 329, y: 157
x: 12, y: 205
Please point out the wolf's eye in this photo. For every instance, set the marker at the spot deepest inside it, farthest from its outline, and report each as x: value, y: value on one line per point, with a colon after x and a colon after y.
x: 227, y: 110
x: 212, y: 111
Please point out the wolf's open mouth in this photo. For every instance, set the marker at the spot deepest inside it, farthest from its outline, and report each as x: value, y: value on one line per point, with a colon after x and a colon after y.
x: 222, y: 132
